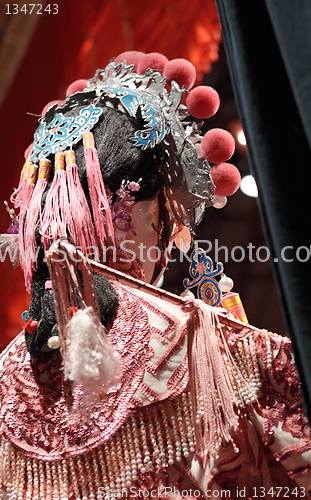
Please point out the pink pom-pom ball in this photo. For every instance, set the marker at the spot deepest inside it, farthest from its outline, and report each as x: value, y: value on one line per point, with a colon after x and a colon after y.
x: 226, y: 178
x: 76, y: 86
x: 217, y: 145
x: 203, y: 102
x: 130, y: 57
x: 27, y: 151
x: 154, y: 60
x: 181, y: 71
x: 49, y: 105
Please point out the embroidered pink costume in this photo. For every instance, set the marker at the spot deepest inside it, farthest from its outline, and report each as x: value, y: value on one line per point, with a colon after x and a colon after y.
x: 142, y: 436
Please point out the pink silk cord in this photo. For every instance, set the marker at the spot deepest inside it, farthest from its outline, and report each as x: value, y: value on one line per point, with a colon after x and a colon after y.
x: 33, y: 215
x: 57, y: 209
x: 83, y: 232
x: 100, y: 204
x: 210, y: 383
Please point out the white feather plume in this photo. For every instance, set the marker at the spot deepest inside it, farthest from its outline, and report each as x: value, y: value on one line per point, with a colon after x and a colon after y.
x: 91, y: 360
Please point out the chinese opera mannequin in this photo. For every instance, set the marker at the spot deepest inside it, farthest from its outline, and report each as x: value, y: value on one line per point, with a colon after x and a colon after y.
x: 118, y: 389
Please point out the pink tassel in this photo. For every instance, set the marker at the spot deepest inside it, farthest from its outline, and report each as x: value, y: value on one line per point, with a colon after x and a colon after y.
x: 27, y: 193
x: 84, y: 234
x: 209, y: 382
x: 18, y: 195
x: 30, y: 186
x: 100, y: 205
x: 32, y: 216
x: 56, y: 215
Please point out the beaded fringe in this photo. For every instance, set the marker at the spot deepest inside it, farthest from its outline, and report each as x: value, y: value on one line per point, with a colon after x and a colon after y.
x: 150, y: 440
x: 246, y: 379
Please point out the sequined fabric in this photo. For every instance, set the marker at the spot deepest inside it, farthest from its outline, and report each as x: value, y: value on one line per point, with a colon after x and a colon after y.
x: 274, y: 434
x: 41, y: 415
x: 148, y: 445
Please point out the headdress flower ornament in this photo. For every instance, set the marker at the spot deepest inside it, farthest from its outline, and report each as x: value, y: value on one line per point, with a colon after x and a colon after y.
x: 121, y: 211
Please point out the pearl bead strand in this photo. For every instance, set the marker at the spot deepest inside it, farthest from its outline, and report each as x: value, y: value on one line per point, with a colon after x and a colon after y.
x: 149, y: 441
x: 161, y: 460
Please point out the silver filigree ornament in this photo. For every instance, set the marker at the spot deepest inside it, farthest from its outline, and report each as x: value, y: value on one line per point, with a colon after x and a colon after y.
x: 155, y: 128
x: 187, y: 179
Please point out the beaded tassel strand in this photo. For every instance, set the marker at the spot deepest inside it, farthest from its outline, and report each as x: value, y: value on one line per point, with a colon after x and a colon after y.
x: 149, y: 441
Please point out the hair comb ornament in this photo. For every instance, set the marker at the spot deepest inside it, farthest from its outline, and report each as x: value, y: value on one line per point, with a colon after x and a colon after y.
x: 61, y: 132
